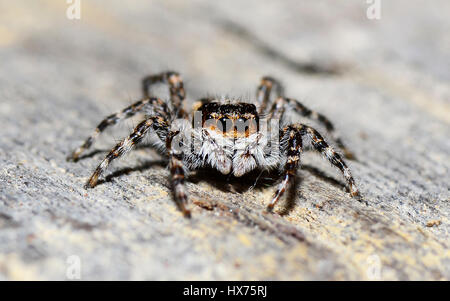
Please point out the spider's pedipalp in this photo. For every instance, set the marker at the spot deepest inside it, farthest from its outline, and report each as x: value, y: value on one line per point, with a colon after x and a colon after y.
x: 154, y: 105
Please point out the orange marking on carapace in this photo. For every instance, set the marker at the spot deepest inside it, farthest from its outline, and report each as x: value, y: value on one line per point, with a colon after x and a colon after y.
x: 231, y: 130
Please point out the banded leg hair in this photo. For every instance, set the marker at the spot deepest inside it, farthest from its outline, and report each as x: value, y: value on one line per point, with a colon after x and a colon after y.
x: 264, y: 92
x: 177, y: 174
x: 324, y: 121
x: 294, y: 134
x: 293, y: 153
x: 176, y: 89
x: 278, y: 108
x: 158, y: 107
x: 123, y: 147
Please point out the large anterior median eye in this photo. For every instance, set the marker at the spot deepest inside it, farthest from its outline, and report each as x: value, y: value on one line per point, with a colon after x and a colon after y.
x: 246, y: 126
x: 224, y: 124
x: 241, y: 125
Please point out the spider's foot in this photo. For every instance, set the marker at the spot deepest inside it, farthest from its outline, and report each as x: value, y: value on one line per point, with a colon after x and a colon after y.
x: 355, y: 193
x: 274, y: 201
x: 270, y: 207
x: 74, y: 156
x: 186, y: 212
x: 92, y: 181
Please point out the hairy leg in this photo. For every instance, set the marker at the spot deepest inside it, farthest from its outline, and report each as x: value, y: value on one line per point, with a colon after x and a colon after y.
x: 322, y: 146
x: 293, y: 153
x: 177, y: 174
x: 304, y: 111
x: 176, y: 89
x: 295, y: 133
x: 279, y: 107
x: 264, y: 91
x: 123, y: 147
x: 159, y: 108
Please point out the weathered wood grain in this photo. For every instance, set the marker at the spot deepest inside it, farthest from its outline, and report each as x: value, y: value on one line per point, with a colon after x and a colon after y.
x: 384, y: 83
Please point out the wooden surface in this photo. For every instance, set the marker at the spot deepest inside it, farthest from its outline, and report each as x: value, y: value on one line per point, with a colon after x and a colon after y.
x: 384, y: 83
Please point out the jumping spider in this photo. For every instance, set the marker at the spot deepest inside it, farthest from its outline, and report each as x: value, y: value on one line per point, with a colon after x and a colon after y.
x: 232, y: 137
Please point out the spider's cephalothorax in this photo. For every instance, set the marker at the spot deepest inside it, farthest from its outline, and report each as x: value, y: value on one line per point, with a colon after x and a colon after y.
x: 234, y: 120
x: 226, y: 137
x: 230, y: 136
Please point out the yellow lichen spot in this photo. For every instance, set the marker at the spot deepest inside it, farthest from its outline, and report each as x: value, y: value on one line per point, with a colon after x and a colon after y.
x: 245, y: 240
x: 431, y: 260
x: 300, y: 250
x: 433, y: 223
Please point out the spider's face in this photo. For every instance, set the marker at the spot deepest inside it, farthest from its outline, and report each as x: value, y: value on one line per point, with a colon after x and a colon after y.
x: 237, y: 120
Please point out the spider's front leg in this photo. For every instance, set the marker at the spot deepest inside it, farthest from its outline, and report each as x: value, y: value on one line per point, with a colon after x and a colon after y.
x: 322, y: 147
x: 293, y: 152
x: 299, y: 108
x: 158, y: 107
x: 304, y: 111
x: 263, y: 95
x: 177, y: 171
x: 123, y: 147
x: 295, y: 133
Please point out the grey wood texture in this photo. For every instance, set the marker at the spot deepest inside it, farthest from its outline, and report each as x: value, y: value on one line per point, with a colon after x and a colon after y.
x: 384, y: 83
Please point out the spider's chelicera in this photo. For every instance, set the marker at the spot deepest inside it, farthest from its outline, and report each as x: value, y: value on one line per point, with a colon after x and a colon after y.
x: 230, y: 136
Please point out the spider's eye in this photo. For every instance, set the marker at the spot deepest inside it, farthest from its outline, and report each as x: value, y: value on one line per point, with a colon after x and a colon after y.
x: 225, y: 124
x: 209, y: 121
x: 241, y: 125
